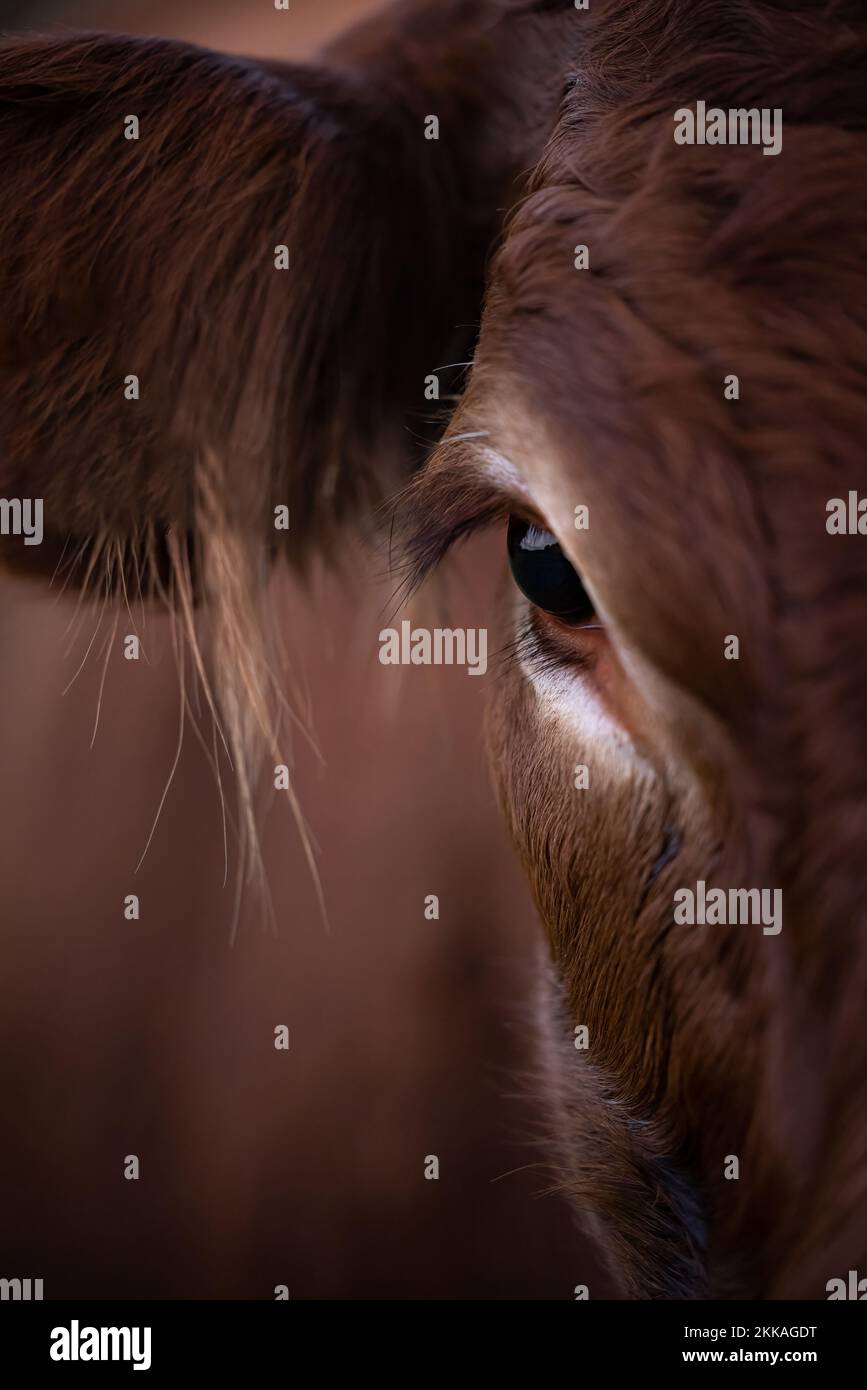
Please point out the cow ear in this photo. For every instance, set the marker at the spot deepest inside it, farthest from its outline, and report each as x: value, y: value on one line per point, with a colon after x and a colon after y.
x: 230, y: 288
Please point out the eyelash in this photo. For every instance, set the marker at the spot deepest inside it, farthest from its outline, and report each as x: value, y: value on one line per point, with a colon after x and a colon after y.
x: 532, y: 644
x: 533, y: 647
x: 425, y: 556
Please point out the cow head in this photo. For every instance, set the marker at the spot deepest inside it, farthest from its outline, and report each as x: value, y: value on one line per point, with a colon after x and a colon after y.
x: 667, y: 390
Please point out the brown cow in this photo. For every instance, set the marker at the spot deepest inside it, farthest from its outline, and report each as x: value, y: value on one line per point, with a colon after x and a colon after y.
x: 666, y: 395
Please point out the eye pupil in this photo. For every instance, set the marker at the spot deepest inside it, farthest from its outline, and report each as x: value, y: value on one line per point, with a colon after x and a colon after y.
x: 544, y: 575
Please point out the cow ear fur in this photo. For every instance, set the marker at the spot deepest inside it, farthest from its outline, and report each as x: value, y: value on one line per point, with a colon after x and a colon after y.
x: 232, y: 286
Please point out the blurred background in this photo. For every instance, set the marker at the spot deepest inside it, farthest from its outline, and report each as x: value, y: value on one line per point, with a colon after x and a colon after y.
x: 408, y: 1037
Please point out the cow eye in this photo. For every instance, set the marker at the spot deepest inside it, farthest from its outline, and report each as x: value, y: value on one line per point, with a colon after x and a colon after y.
x: 544, y: 575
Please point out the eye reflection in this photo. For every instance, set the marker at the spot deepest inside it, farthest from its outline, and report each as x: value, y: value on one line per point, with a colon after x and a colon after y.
x: 544, y: 575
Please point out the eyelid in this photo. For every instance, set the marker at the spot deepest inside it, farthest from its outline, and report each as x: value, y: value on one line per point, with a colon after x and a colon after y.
x: 558, y: 644
x: 427, y: 548
x: 423, y: 546
x: 537, y: 649
x: 425, y: 551
x: 501, y: 513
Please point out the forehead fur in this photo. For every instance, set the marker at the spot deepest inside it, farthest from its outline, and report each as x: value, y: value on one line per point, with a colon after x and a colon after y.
x: 702, y: 259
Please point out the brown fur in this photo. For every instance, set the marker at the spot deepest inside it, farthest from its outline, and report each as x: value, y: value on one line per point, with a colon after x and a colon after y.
x: 601, y: 387
x: 707, y: 519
